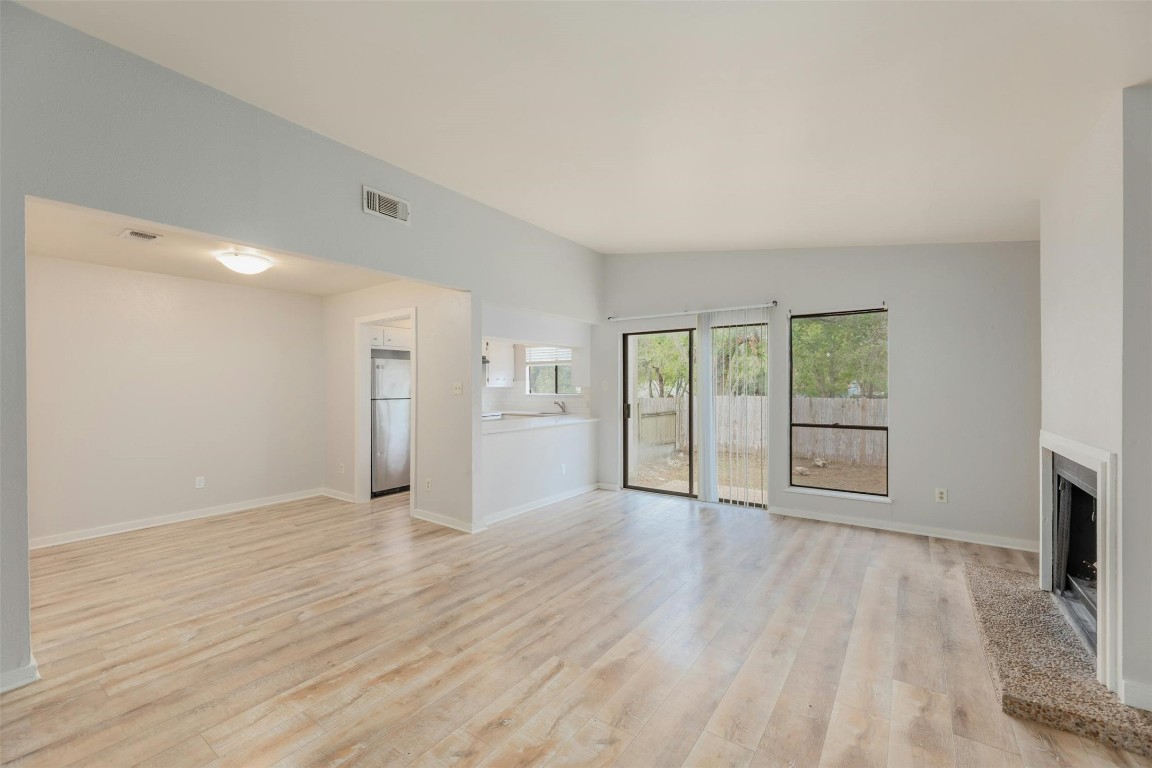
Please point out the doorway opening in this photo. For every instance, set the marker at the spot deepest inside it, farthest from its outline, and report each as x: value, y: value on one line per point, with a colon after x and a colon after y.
x: 386, y: 403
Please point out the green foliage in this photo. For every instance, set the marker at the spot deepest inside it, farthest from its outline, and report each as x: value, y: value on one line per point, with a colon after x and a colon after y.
x: 541, y: 379
x: 740, y: 359
x: 662, y: 364
x: 830, y: 354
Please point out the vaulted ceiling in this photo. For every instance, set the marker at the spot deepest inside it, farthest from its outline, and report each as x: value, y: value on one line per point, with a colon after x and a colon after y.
x: 635, y: 127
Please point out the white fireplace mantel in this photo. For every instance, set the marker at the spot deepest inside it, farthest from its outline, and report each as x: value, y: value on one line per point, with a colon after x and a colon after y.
x: 1109, y: 608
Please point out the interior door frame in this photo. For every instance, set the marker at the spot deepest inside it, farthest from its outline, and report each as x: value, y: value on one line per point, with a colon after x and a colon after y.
x: 362, y: 373
x: 626, y: 412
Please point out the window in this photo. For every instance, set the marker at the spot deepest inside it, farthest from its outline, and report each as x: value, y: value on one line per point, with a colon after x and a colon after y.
x: 550, y: 371
x: 840, y: 401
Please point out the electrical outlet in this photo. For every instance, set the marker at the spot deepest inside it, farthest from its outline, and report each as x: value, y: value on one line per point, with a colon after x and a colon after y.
x: 199, y: 482
x: 563, y: 469
x: 457, y: 388
x: 341, y: 468
x: 428, y: 484
x: 941, y: 495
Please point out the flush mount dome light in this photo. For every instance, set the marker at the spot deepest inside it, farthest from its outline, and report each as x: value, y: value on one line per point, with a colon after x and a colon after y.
x: 244, y: 263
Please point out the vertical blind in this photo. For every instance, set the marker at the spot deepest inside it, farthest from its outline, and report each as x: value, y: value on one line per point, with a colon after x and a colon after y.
x: 740, y: 406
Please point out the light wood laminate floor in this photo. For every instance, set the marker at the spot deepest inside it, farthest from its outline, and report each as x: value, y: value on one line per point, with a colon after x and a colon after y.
x: 619, y: 629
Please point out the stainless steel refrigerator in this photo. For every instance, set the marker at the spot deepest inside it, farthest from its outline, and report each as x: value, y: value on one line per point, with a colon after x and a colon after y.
x: 391, y: 421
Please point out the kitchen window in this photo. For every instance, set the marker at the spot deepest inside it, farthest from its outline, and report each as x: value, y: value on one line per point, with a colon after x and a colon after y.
x: 549, y: 371
x: 839, y: 426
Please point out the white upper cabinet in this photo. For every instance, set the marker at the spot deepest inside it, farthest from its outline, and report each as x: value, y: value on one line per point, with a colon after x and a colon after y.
x: 501, y: 368
x: 400, y: 338
x: 390, y: 338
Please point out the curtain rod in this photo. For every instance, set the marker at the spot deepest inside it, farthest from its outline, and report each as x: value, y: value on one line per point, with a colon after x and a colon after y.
x: 769, y: 305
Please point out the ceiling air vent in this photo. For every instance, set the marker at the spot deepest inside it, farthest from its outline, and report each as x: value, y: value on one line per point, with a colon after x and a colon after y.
x: 380, y: 204
x: 140, y: 235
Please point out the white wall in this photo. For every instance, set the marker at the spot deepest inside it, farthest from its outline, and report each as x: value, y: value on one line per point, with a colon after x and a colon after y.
x: 139, y: 382
x: 505, y: 322
x: 1082, y: 289
x: 522, y: 469
x: 1096, y: 276
x: 964, y: 368
x: 443, y: 422
x: 1135, y: 477
x: 89, y: 124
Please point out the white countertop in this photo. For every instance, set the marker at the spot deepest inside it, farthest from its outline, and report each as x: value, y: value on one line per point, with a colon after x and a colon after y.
x: 522, y: 421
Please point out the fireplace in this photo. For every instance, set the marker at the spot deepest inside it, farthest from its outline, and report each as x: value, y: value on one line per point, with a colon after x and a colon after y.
x: 1073, y: 555
x: 1093, y: 471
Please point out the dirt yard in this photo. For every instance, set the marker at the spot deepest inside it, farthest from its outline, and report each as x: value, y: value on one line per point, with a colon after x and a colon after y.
x: 670, y: 473
x: 858, y: 478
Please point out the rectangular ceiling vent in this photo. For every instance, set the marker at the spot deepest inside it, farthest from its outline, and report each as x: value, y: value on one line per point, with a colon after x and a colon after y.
x: 140, y: 235
x: 381, y: 204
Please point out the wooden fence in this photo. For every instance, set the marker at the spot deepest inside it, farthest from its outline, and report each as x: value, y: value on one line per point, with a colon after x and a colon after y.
x: 741, y: 425
x: 849, y: 446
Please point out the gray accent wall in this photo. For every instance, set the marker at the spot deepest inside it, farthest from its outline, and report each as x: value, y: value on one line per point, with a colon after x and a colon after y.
x: 86, y: 123
x: 964, y: 369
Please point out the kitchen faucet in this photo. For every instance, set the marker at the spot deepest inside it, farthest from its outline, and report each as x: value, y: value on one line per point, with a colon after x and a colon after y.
x: 561, y: 404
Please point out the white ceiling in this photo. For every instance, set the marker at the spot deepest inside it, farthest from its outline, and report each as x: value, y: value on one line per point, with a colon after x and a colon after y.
x: 634, y: 127
x: 61, y: 231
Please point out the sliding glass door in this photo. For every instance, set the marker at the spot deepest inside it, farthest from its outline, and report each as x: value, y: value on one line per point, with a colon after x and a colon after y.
x: 700, y: 433
x: 658, y: 412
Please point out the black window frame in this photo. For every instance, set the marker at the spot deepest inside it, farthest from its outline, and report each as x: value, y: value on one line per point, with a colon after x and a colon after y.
x: 555, y: 379
x: 792, y: 424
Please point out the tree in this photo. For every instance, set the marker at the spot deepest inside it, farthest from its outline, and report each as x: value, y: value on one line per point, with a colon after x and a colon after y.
x: 830, y: 354
x: 662, y: 364
x: 740, y: 359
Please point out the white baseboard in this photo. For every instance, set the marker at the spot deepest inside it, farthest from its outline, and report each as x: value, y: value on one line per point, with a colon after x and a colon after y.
x: 608, y: 486
x: 1136, y: 694
x: 16, y: 678
x: 523, y: 509
x: 1027, y: 545
x: 444, y: 520
x: 151, y: 522
x: 338, y: 495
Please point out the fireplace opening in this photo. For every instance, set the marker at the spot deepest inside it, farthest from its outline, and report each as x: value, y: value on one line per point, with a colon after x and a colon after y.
x: 1074, y: 563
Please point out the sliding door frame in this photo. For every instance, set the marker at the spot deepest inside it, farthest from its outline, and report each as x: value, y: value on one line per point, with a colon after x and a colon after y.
x: 626, y: 412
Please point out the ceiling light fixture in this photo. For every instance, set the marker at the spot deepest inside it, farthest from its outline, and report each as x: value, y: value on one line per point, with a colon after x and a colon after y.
x: 244, y: 263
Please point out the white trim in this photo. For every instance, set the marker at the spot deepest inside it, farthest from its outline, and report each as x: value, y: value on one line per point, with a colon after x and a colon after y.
x: 444, y: 520
x: 338, y: 495
x: 151, y: 522
x: 1136, y: 694
x: 1025, y: 545
x: 1110, y: 609
x: 838, y: 494
x: 608, y: 486
x: 19, y: 677
x: 522, y: 509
